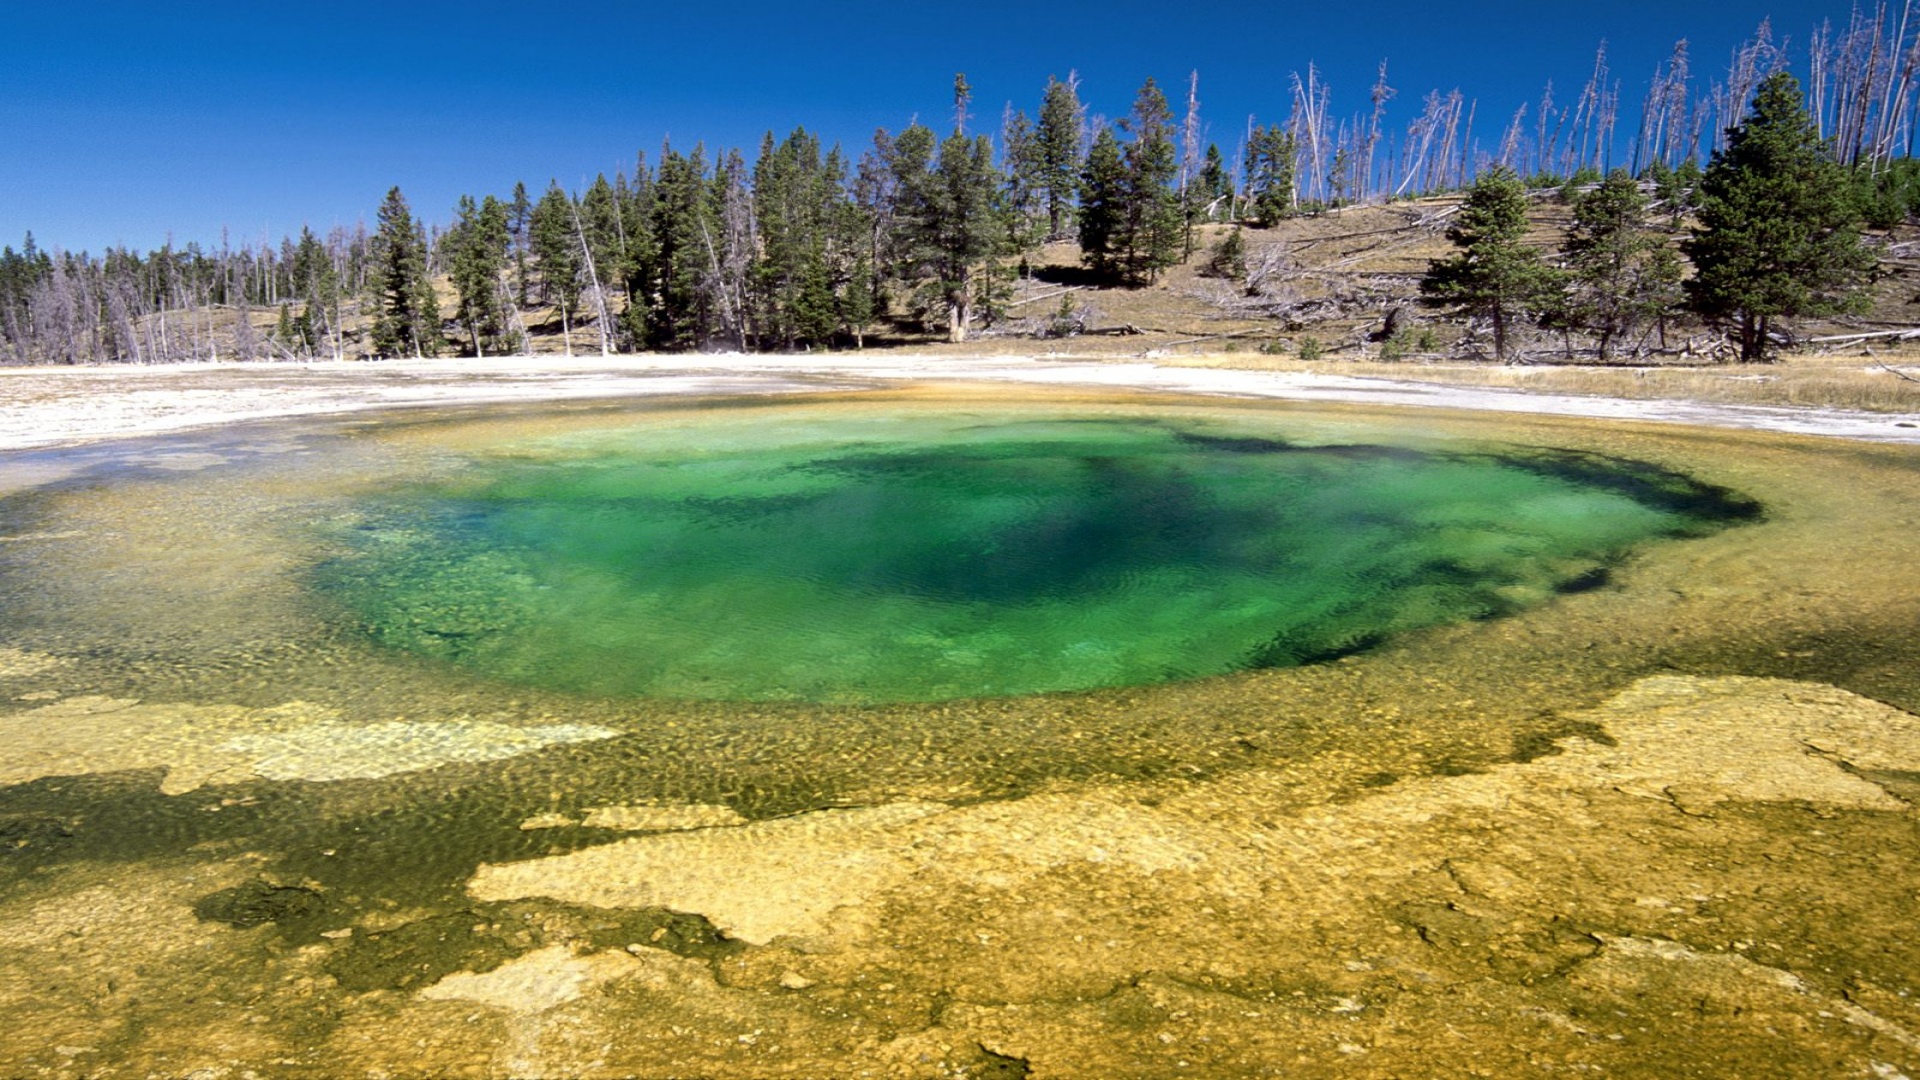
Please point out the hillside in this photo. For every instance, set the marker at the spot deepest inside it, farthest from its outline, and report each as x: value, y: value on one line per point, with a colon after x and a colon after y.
x: 1337, y: 278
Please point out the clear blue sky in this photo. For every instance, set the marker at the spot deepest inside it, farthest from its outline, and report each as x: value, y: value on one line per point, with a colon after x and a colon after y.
x: 130, y: 122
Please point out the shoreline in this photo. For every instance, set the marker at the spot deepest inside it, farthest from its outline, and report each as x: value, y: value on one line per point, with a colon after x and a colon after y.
x: 42, y: 408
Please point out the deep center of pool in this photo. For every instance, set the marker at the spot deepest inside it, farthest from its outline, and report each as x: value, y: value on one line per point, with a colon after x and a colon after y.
x: 932, y: 556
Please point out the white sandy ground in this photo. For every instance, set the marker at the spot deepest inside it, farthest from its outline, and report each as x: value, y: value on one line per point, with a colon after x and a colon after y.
x: 42, y: 407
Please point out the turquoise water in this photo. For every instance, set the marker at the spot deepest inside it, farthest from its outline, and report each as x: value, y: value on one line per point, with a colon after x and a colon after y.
x: 922, y: 556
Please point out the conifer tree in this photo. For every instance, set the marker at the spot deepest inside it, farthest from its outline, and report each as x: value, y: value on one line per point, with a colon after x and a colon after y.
x: 1029, y: 221
x: 1103, y: 197
x: 796, y: 196
x: 317, y: 284
x: 477, y: 260
x: 407, y: 317
x: 949, y: 219
x: 1154, y: 225
x: 679, y: 316
x: 1057, y: 137
x: 1778, y: 232
x: 1216, y: 185
x: 558, y: 256
x: 1271, y: 161
x: 519, y: 216
x: 603, y: 222
x: 637, y: 210
x: 1229, y: 258
x: 1622, y: 272
x: 1496, y: 275
x: 731, y: 251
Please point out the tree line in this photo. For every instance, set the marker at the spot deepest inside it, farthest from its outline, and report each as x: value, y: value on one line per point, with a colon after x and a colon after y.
x: 924, y: 231
x: 1774, y: 234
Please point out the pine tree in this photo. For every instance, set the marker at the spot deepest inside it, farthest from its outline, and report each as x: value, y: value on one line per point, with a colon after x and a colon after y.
x: 1271, y: 158
x: 603, y: 221
x: 317, y: 283
x: 642, y: 252
x: 679, y: 316
x: 1028, y: 218
x: 1216, y: 185
x: 949, y: 219
x: 1620, y: 276
x: 1778, y: 232
x: 731, y: 251
x: 1229, y: 259
x: 1496, y: 275
x: 1057, y: 137
x: 557, y: 255
x: 407, y: 317
x: 1153, y: 233
x: 477, y: 261
x: 519, y: 217
x: 1103, y: 196
x: 796, y: 195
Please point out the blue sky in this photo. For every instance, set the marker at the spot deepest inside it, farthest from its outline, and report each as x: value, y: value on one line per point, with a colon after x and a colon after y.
x: 132, y: 122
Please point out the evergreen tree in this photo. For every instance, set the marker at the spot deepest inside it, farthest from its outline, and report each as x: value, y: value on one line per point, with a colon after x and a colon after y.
x: 477, y: 251
x: 1229, y: 258
x: 859, y: 302
x: 317, y: 283
x: 558, y: 256
x: 1216, y: 185
x: 679, y: 316
x: 603, y: 222
x: 637, y: 210
x: 796, y: 196
x: 1154, y: 226
x: 519, y: 218
x: 1271, y: 157
x: 1028, y: 218
x: 1103, y: 196
x: 1496, y: 275
x: 1622, y: 271
x: 1778, y: 232
x: 949, y: 220
x: 1057, y: 140
x: 407, y: 317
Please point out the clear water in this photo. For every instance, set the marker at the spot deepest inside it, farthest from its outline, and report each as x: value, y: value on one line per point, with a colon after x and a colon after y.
x: 924, y: 556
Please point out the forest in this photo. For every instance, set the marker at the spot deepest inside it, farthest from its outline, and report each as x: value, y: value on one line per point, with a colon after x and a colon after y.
x: 923, y: 234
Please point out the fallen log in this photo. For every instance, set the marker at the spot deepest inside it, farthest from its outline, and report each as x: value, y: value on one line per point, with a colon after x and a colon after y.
x: 1908, y: 334
x: 1047, y: 296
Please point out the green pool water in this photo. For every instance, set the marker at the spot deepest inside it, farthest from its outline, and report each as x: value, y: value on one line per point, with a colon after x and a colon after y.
x: 922, y: 555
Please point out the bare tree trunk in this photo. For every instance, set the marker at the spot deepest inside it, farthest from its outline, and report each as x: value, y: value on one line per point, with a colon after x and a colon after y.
x: 593, y: 283
x: 1381, y: 94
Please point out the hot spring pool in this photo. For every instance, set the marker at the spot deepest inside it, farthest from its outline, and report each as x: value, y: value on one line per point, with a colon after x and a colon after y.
x: 947, y: 730
x: 923, y: 555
